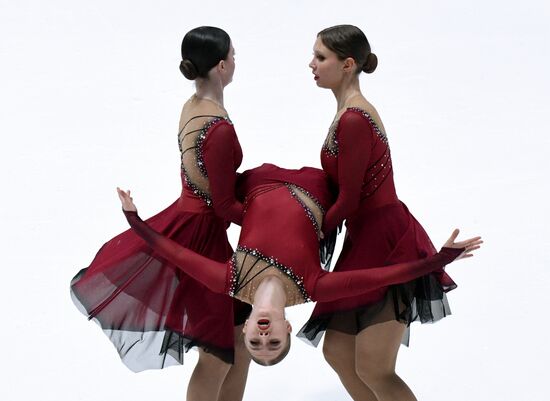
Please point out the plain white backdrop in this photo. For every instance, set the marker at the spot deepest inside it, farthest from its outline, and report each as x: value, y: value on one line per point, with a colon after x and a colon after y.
x: 90, y: 96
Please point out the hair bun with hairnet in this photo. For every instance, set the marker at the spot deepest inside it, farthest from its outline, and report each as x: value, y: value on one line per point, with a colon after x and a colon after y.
x: 188, y: 69
x: 370, y: 63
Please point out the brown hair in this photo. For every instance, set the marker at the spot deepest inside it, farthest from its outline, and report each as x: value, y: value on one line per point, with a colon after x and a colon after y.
x: 349, y: 41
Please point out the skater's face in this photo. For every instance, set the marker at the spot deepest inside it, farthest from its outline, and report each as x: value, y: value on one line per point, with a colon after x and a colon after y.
x: 265, y: 339
x: 327, y: 68
x: 227, y: 67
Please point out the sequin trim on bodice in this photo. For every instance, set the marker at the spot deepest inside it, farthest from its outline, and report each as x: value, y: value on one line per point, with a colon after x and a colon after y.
x: 330, y: 146
x: 377, y: 174
x: 197, y: 147
x: 315, y: 211
x: 379, y: 170
x: 249, y: 267
x: 377, y: 129
x: 331, y: 142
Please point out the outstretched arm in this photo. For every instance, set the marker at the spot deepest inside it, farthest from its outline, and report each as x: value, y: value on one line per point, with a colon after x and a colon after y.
x: 337, y: 285
x: 206, y: 271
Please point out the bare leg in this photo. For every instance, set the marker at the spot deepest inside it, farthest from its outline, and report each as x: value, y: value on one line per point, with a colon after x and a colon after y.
x: 234, y: 384
x: 207, y: 378
x: 339, y: 352
x: 375, y: 357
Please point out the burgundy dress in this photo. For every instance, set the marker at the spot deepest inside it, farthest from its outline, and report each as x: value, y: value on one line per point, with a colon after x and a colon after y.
x: 380, y: 231
x: 279, y: 237
x: 150, y: 310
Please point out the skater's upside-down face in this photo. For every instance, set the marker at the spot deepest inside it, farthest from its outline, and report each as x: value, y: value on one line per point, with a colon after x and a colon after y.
x: 267, y: 341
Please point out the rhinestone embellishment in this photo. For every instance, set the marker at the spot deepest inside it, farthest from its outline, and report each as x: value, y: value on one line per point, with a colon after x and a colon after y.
x: 331, y: 143
x: 235, y: 286
x: 198, y: 146
x: 309, y: 213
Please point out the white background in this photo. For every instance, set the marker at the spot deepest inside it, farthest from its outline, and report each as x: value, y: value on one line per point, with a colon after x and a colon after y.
x: 90, y: 95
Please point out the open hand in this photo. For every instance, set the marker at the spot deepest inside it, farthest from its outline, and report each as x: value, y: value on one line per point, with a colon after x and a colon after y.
x: 469, y: 245
x: 126, y: 200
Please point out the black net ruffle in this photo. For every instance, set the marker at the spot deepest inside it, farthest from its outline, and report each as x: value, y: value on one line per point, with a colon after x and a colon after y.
x: 422, y: 300
x: 176, y: 345
x: 147, y: 343
x: 327, y: 246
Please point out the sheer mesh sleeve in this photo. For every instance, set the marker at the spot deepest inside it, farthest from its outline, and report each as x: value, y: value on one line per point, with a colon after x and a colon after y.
x: 220, y: 160
x: 206, y: 271
x: 354, y: 144
x: 337, y: 285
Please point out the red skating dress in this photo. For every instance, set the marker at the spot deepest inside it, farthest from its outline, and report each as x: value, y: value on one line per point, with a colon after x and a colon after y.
x: 279, y: 236
x: 380, y: 231
x: 151, y: 311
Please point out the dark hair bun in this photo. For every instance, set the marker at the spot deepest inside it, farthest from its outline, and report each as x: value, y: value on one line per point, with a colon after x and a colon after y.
x: 202, y: 49
x: 370, y: 63
x: 188, y: 69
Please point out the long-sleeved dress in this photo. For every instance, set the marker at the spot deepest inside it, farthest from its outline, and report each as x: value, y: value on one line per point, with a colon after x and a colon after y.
x: 152, y: 311
x: 380, y: 231
x: 279, y: 237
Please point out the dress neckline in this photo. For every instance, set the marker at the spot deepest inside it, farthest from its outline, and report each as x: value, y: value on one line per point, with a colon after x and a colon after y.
x: 214, y: 118
x: 331, y: 136
x: 365, y: 114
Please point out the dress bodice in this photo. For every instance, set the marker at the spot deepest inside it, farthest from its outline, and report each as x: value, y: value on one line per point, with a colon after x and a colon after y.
x: 210, y: 156
x: 279, y: 237
x: 356, y: 157
x: 286, y: 244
